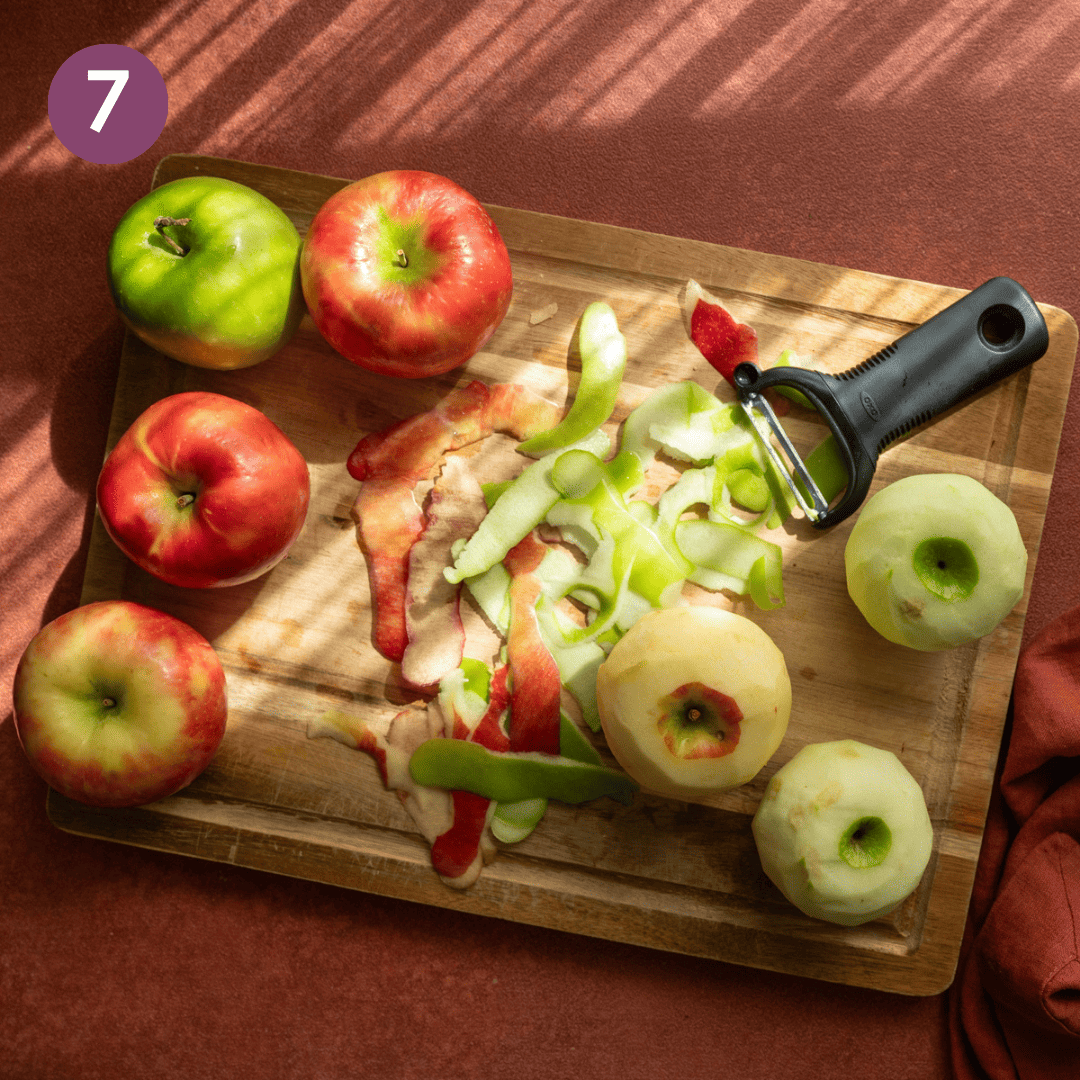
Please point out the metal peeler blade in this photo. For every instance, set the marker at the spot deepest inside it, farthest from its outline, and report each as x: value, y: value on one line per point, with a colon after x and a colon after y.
x: 766, y: 423
x: 985, y: 336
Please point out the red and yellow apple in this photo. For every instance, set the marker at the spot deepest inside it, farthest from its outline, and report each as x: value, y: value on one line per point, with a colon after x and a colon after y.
x: 405, y: 273
x: 693, y: 700
x: 204, y: 491
x: 117, y: 704
x: 843, y: 832
x: 934, y: 561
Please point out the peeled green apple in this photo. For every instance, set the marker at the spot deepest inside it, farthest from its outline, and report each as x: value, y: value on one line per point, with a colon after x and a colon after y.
x: 693, y: 700
x: 935, y: 561
x: 843, y: 831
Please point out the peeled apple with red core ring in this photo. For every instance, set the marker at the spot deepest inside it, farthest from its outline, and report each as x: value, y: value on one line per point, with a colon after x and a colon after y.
x: 693, y: 700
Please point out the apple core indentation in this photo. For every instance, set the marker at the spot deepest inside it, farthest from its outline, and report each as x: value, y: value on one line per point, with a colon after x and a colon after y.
x: 697, y: 721
x: 865, y: 843
x: 947, y: 567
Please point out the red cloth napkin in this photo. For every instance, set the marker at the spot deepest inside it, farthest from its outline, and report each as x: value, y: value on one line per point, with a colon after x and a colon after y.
x: 1015, y: 1005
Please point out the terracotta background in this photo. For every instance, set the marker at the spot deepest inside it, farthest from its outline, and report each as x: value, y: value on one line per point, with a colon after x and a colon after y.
x: 923, y: 139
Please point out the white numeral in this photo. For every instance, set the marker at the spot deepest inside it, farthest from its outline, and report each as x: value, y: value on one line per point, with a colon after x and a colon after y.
x: 119, y: 81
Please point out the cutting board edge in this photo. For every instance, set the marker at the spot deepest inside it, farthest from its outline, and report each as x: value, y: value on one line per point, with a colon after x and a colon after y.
x: 924, y: 971
x: 133, y: 347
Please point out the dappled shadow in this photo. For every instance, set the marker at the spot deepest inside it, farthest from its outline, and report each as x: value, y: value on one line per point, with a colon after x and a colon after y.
x: 607, y: 110
x: 815, y: 131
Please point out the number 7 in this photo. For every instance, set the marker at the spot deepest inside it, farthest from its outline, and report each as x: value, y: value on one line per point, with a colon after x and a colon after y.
x: 119, y: 81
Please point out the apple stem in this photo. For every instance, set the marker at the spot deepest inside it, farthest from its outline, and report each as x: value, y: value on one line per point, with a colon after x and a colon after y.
x: 403, y: 259
x: 161, y: 222
x: 185, y: 500
x: 109, y: 703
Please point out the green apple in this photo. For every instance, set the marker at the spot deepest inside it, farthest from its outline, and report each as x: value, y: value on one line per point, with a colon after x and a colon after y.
x: 206, y: 271
x: 843, y: 831
x: 935, y: 561
x: 693, y: 700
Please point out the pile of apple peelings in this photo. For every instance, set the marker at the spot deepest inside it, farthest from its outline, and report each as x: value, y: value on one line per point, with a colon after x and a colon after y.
x: 562, y: 560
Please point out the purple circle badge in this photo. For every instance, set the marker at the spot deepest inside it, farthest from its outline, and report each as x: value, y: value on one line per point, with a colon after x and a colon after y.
x: 108, y: 104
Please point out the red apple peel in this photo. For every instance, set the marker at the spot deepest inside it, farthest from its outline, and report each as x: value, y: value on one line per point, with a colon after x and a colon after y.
x: 392, y: 462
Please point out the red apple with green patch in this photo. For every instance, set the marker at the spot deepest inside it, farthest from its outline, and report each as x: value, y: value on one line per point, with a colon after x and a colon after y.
x: 118, y: 704
x: 693, y: 700
x: 405, y: 273
x: 204, y: 491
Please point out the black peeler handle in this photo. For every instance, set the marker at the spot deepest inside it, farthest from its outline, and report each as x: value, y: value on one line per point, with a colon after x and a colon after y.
x: 992, y: 332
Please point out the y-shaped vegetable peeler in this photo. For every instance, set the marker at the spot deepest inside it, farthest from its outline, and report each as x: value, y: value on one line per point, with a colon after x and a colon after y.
x: 992, y: 332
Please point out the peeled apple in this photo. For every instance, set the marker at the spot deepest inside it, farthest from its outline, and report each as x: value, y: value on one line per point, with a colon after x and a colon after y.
x: 843, y: 832
x: 934, y: 561
x: 693, y: 699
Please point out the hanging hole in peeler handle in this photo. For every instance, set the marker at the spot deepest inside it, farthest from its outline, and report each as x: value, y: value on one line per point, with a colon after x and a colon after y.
x: 1001, y: 326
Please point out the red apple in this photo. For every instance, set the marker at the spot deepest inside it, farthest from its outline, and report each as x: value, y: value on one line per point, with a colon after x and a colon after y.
x: 204, y: 491
x: 405, y: 273
x: 117, y: 704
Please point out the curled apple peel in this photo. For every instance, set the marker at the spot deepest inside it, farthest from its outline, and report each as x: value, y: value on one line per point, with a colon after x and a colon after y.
x: 393, y: 462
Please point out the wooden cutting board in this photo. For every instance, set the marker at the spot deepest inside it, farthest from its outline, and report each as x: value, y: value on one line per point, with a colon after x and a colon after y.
x: 661, y: 874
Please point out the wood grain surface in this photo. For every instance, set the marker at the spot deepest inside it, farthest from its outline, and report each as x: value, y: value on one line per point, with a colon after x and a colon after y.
x: 662, y: 874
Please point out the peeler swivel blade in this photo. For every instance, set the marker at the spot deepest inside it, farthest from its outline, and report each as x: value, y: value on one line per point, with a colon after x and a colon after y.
x: 760, y: 413
x: 985, y: 336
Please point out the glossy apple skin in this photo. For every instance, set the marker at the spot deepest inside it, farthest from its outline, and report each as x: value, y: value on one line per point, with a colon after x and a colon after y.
x: 234, y: 299
x: 407, y: 321
x: 249, y: 489
x: 168, y: 704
